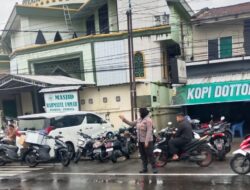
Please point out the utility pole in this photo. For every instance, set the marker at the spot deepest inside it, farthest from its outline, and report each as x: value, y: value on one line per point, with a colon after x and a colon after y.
x: 131, y: 63
x: 182, y: 41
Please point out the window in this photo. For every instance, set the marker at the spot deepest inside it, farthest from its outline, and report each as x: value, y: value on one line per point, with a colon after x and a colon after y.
x: 93, y: 119
x: 82, y: 101
x: 164, y: 65
x: 226, y: 47
x: 220, y: 48
x: 118, y: 98
x: 139, y: 65
x: 90, y: 25
x: 105, y: 100
x: 154, y: 99
x: 67, y: 121
x: 104, y: 19
x: 213, y: 49
x: 91, y: 101
x: 247, y: 37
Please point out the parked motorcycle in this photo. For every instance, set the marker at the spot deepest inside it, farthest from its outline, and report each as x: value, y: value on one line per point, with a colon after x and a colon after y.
x: 9, y: 153
x: 221, y: 144
x: 41, y: 153
x: 85, y: 147
x: 131, y: 138
x: 120, y: 147
x: 240, y: 163
x: 197, y: 151
x: 102, y: 149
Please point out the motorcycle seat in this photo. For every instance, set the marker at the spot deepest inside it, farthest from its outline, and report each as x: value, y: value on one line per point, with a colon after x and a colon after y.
x: 189, y: 145
x: 12, y: 147
x: 45, y: 147
x: 200, y: 131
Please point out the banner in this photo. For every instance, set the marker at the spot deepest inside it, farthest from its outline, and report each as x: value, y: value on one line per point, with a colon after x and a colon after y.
x: 61, y: 102
x: 212, y: 93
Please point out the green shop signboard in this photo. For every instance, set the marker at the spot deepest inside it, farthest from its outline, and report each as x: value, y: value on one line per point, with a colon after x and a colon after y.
x: 212, y: 93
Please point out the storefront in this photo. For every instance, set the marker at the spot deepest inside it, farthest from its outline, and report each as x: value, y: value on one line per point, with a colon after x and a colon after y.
x: 216, y: 96
x: 19, y: 94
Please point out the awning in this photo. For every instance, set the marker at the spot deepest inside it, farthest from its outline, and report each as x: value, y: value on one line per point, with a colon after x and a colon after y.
x: 60, y: 89
x: 15, y: 82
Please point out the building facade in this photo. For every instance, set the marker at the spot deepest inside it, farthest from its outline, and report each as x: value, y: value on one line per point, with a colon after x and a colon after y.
x: 219, y: 73
x: 90, y: 43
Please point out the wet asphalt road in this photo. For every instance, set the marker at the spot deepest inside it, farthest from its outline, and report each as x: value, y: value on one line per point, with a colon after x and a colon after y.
x: 90, y: 175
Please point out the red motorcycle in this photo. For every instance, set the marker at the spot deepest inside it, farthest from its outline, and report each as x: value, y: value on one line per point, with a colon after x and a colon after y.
x: 240, y: 162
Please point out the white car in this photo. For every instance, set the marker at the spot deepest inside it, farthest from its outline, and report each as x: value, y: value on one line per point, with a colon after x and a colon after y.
x: 66, y: 125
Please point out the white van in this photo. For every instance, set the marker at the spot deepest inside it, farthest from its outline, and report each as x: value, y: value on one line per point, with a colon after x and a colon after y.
x: 66, y: 125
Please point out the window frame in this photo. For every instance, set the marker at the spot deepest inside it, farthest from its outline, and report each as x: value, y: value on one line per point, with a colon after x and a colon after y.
x: 90, y: 114
x: 89, y: 22
x: 220, y: 47
x: 143, y: 63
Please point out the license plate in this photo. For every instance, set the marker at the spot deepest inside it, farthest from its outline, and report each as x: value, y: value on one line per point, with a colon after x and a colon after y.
x: 219, y: 146
x: 97, y: 151
x: 110, y: 149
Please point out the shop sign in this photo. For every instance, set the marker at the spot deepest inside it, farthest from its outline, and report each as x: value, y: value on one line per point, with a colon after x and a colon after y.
x: 61, y: 102
x: 212, y: 93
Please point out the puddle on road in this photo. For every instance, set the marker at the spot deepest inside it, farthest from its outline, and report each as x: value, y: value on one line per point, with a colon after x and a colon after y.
x: 125, y: 182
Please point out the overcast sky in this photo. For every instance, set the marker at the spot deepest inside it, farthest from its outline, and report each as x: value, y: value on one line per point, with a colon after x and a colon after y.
x: 6, y: 6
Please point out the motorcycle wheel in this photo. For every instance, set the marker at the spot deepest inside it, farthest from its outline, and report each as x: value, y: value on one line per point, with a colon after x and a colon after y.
x: 221, y: 155
x: 229, y: 136
x: 131, y: 148
x: 101, y: 157
x: 160, y: 159
x: 77, y: 156
x: 240, y: 164
x: 71, y: 150
x: 30, y: 160
x: 205, y: 150
x: 2, y: 163
x: 64, y: 157
x: 114, y: 156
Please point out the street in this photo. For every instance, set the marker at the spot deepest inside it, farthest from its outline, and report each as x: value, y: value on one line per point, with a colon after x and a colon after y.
x: 122, y: 175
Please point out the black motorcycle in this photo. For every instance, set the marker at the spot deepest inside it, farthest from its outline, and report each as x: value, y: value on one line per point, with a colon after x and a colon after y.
x: 219, y: 139
x: 120, y: 148
x: 9, y: 153
x: 197, y: 151
x: 130, y: 138
x: 85, y: 147
x: 41, y: 153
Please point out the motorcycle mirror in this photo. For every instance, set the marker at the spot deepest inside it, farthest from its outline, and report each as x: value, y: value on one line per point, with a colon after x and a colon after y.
x: 222, y: 118
x: 170, y: 123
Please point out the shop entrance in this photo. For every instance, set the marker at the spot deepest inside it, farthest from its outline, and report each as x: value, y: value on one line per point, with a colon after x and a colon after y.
x: 234, y: 112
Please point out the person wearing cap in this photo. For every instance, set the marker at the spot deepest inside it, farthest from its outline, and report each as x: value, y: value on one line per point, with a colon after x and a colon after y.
x: 183, y: 136
x: 144, y: 128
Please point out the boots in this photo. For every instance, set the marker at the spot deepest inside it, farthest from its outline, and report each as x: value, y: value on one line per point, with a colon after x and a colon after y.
x: 144, y: 170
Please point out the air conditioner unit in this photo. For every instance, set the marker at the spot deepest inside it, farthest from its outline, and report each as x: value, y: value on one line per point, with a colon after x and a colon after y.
x: 161, y: 19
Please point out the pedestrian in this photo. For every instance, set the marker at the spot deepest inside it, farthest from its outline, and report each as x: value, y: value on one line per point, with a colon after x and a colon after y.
x: 183, y: 136
x: 11, y: 134
x: 144, y: 128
